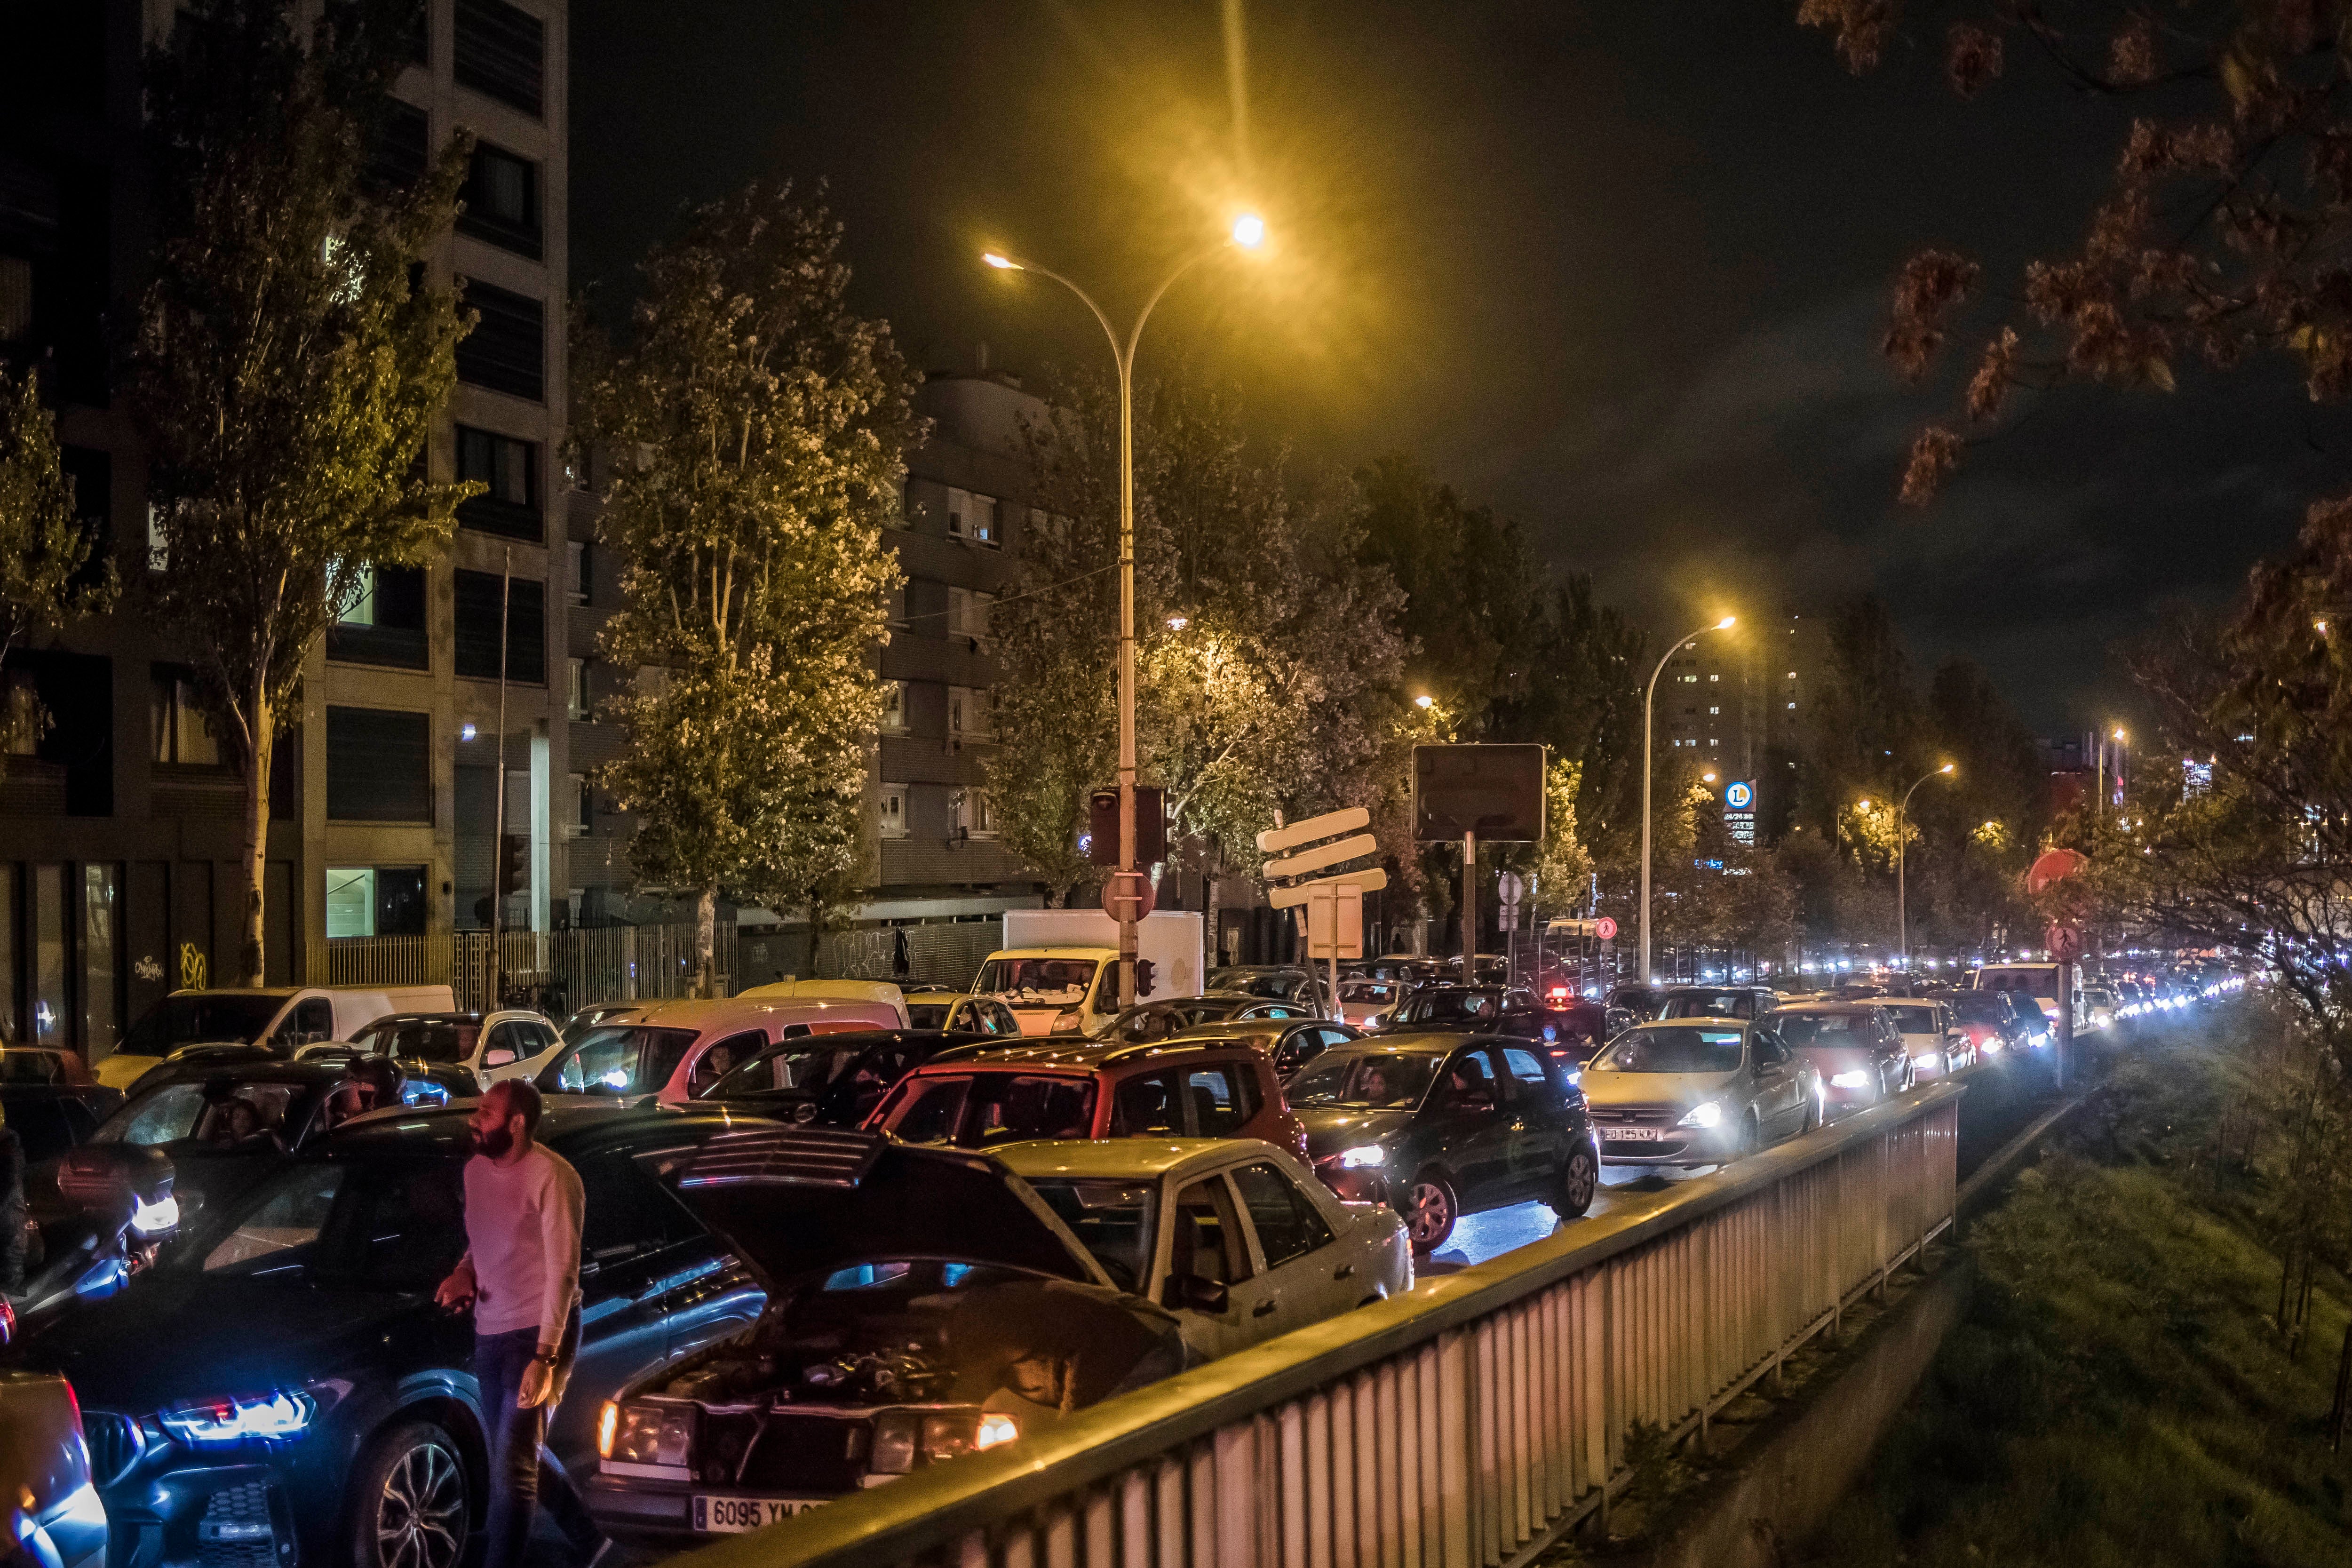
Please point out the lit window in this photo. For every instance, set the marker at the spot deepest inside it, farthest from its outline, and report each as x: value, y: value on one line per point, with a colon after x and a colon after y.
x: 890, y: 810
x: 968, y: 712
x: 577, y: 551
x: 1715, y: 710
x: 583, y: 804
x: 972, y: 517
x: 973, y: 813
x: 1792, y: 706
x: 575, y: 688
x: 968, y: 610
x: 350, y: 900
x: 182, y: 734
x: 894, y: 707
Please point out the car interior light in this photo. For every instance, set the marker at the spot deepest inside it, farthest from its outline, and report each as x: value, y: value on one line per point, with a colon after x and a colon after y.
x: 996, y: 1429
x: 1709, y: 1114
x: 1361, y: 1155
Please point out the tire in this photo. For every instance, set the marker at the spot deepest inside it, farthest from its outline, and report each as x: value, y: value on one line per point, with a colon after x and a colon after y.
x: 410, y: 1500
x: 1751, y: 1137
x: 1579, y: 1179
x: 1812, y: 1115
x: 1431, y: 1208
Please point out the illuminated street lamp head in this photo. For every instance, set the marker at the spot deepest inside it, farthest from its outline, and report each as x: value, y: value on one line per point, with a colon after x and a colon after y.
x: 1708, y: 777
x: 1249, y: 231
x: 1178, y: 623
x: 1947, y: 768
x: 1423, y: 701
x: 2119, y: 732
x: 1726, y: 624
x: 1864, y: 803
x: 1001, y: 261
x: 2320, y: 627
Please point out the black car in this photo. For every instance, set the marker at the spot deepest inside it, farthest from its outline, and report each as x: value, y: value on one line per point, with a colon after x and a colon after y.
x: 280, y: 1389
x: 1719, y: 1001
x: 1440, y: 1126
x: 50, y: 1101
x: 1292, y: 1043
x: 1487, y: 1010
x: 832, y: 1079
x: 1275, y: 982
x: 1147, y: 1021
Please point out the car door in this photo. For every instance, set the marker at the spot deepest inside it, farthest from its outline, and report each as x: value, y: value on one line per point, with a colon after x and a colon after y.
x: 1781, y: 1085
x: 1538, y: 1122
x: 1206, y: 1242
x: 1467, y: 1128
x: 1306, y: 1275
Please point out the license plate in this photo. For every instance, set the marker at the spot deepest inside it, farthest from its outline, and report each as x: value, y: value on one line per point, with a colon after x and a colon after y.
x: 1634, y: 1134
x: 733, y: 1515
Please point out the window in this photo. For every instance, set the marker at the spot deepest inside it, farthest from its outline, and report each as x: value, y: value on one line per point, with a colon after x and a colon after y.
x: 1148, y: 1107
x: 968, y: 712
x: 478, y: 627
x: 375, y: 901
x: 501, y: 198
x: 159, y: 550
x: 583, y: 805
x: 896, y: 606
x: 508, y: 469
x: 507, y: 349
x: 501, y: 52
x: 1287, y: 1223
x: 890, y: 810
x: 972, y: 518
x: 382, y: 620
x: 379, y: 765
x: 575, y: 555
x: 1529, y: 1074
x: 1715, y: 710
x: 402, y: 147
x: 1207, y: 1242
x: 894, y: 707
x: 973, y: 816
x: 281, y: 1226
x: 1469, y: 1084
x: 101, y: 927
x: 968, y: 610
x: 575, y: 690
x: 183, y: 736
x: 16, y: 299
x: 721, y: 1059
x: 1219, y: 1105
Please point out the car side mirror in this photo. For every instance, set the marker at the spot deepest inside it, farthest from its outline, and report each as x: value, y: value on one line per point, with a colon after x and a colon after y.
x: 1197, y: 1293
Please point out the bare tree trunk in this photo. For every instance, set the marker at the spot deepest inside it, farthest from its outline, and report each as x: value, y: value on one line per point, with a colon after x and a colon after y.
x: 261, y: 724
x: 705, y: 942
x: 1211, y: 902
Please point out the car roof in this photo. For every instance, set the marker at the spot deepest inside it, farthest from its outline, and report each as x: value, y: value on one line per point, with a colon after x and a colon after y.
x: 1128, y: 1158
x: 253, y: 1069
x: 1682, y: 1022
x: 1075, y: 1052
x: 1432, y: 1042
x: 714, y: 1011
x: 1855, y: 1005
x: 569, y: 1127
x: 1242, y: 1028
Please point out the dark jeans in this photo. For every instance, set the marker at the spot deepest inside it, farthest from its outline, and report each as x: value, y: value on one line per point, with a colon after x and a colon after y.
x: 524, y: 1475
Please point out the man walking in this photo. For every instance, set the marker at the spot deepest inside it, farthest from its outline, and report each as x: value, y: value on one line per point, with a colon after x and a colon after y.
x: 520, y: 1275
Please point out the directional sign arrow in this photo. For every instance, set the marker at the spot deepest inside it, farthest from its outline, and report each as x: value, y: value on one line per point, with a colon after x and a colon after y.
x: 1370, y: 881
x: 1323, y: 855
x: 1275, y: 840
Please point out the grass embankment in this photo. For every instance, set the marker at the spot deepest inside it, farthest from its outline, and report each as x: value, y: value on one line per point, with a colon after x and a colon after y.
x: 2119, y: 1392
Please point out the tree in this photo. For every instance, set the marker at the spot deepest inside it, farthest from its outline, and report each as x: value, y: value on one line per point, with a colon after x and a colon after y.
x: 762, y: 428
x: 290, y: 358
x: 43, y: 554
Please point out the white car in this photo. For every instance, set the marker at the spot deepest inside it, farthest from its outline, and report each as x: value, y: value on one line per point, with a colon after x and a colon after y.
x: 1234, y: 1236
x: 1365, y: 1003
x: 511, y: 1043
x: 1938, y: 1045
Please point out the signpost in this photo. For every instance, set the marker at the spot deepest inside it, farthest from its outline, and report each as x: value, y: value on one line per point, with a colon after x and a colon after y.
x: 1508, y: 889
x: 1463, y: 792
x: 1330, y: 905
x: 1740, y: 811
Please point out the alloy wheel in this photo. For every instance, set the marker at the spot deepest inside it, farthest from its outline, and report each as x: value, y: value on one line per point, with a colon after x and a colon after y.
x: 1430, y: 1218
x: 1581, y: 1180
x: 420, y: 1514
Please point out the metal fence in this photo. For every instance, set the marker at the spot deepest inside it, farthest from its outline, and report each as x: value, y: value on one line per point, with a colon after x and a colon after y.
x: 936, y: 952
x: 560, y: 970
x: 1466, y: 1425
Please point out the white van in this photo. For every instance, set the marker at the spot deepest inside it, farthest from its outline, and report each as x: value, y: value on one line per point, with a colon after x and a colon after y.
x: 1063, y: 976
x: 2039, y: 981
x: 283, y: 1017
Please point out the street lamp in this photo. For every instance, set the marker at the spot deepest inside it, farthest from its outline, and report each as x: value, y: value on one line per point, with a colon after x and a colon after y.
x: 1248, y: 233
x: 1649, y: 701
x: 1902, y: 915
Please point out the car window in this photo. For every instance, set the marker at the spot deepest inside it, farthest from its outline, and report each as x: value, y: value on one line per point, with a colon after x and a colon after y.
x: 1220, y: 1102
x: 1467, y: 1084
x: 721, y: 1059
x: 413, y: 1225
x: 1915, y: 1020
x: 1148, y: 1107
x: 1206, y: 1239
x: 280, y: 1229
x: 980, y: 1110
x: 1769, y: 1046
x: 1684, y: 1049
x: 1846, y: 1029
x: 1114, y: 1219
x: 623, y: 1059
x: 1287, y: 1223
x: 1377, y: 1080
x: 931, y: 1014
x: 159, y: 1116
x: 1515, y: 1002
x: 1526, y: 1072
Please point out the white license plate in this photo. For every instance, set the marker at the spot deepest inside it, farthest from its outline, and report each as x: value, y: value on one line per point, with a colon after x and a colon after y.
x: 1636, y: 1134
x: 733, y: 1515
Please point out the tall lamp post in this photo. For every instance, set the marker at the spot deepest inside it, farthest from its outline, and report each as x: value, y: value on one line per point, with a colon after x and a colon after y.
x: 1248, y: 233
x: 1649, y: 701
x: 1902, y: 914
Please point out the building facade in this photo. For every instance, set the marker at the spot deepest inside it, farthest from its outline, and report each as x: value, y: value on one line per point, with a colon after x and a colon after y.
x: 119, y: 873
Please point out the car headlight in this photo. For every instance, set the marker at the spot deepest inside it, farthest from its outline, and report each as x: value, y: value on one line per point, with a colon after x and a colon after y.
x: 996, y: 1429
x: 647, y: 1434
x: 1362, y: 1155
x: 895, y: 1437
x: 268, y: 1417
x: 1930, y: 1059
x: 1069, y: 1021
x: 1851, y: 1080
x: 1709, y: 1114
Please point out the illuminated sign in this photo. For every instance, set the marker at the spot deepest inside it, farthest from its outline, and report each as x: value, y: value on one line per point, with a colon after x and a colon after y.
x: 1740, y: 810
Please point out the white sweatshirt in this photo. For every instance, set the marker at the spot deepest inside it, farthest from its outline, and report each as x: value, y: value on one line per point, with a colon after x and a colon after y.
x: 523, y: 1227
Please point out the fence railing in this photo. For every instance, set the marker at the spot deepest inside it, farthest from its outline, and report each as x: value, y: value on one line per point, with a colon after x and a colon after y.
x: 1466, y: 1425
x: 561, y: 970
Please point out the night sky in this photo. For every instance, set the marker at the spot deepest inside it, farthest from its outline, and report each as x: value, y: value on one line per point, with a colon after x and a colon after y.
x: 1619, y: 269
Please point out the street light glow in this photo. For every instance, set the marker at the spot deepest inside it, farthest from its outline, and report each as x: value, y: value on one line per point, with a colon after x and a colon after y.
x: 1945, y: 769
x: 2119, y: 732
x: 1864, y: 803
x: 1002, y: 262
x: 1178, y: 623
x: 1423, y: 701
x: 1249, y: 231
x: 1726, y: 624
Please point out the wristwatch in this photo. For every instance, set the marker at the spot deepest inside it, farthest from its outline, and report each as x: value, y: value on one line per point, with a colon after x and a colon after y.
x: 547, y: 1358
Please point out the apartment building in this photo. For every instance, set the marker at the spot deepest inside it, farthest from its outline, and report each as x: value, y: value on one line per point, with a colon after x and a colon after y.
x: 119, y: 829
x: 1741, y: 701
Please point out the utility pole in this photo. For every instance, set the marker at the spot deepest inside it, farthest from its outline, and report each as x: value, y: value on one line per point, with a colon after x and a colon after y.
x: 498, y: 810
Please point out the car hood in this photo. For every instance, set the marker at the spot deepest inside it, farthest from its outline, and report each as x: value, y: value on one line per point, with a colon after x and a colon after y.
x: 804, y: 1202
x: 1837, y: 1057
x: 1334, y: 1127
x: 1654, y: 1087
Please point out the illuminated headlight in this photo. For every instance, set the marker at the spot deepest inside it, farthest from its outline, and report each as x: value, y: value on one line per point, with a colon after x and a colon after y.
x: 996, y: 1429
x: 1069, y: 1021
x: 155, y: 1218
x: 1362, y: 1155
x: 1930, y: 1059
x: 1989, y: 1044
x: 1851, y: 1080
x: 895, y: 1437
x: 1707, y: 1115
x: 647, y: 1434
x: 268, y: 1417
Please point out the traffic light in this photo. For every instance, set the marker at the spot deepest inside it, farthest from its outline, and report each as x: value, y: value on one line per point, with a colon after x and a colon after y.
x: 1142, y: 978
x: 1151, y: 826
x: 514, y: 865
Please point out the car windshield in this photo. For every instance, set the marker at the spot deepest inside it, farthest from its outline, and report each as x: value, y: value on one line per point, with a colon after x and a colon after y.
x: 981, y: 1110
x: 1450, y: 1008
x: 1036, y: 981
x: 623, y: 1058
x: 929, y: 1014
x: 441, y: 1041
x: 1710, y: 1004
x: 1842, y: 1029
x: 1377, y: 1080
x: 190, y: 1017
x: 1977, y: 1007
x: 1158, y: 1020
x: 1277, y: 985
x: 1684, y: 1049
x: 32, y: 1066
x: 793, y: 1063
x: 1367, y: 991
x: 1914, y: 1020
x: 1115, y: 1221
x: 2032, y: 981
x: 212, y: 1111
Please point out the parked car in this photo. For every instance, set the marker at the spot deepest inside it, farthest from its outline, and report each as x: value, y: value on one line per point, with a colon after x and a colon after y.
x: 1489, y: 1010
x: 960, y: 1012
x: 48, y: 1506
x: 51, y: 1100
x: 881, y: 992
x: 1291, y: 1043
x: 1405, y: 968
x: 1439, y: 1126
x: 1274, y: 982
x: 982, y: 1097
x: 925, y: 1304
x: 2035, y: 1027
x: 835, y: 1080
x: 1718, y: 1002
x: 279, y: 1017
x: 1854, y: 1047
x: 282, y: 1384
x: 674, y: 1050
x: 1365, y: 1002
x: 1147, y: 1021
x: 588, y: 1018
x: 477, y: 1051
x: 2101, y: 1006
x: 1699, y: 1091
x: 1938, y: 1046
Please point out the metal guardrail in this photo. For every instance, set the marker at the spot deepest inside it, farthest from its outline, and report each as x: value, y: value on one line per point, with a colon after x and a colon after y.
x: 1465, y: 1424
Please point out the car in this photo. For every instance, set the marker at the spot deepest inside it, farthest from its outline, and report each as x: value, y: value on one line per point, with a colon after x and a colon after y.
x: 2034, y: 1028
x: 51, y: 1100
x: 674, y: 1050
x: 960, y: 1012
x: 1173, y: 1016
x: 1291, y: 1043
x: 1987, y: 1021
x: 588, y: 1018
x: 981, y: 1097
x: 1699, y: 1091
x: 48, y: 1511
x: 2100, y: 1007
x: 1364, y: 1002
x: 1856, y: 1047
x: 835, y: 1080
x: 881, y: 992
x: 1718, y: 1002
x: 928, y: 1303
x: 277, y: 1018
x: 1439, y: 1125
x: 1491, y: 1010
x: 1405, y: 968
x: 479, y: 1049
x: 2039, y: 981
x: 1273, y: 982
x: 1938, y: 1046
x: 282, y: 1385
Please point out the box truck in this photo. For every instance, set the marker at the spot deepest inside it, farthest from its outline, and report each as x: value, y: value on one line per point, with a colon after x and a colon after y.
x: 1058, y: 970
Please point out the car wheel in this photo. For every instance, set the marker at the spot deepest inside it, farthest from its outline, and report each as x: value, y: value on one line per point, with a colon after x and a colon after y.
x: 1580, y: 1178
x: 412, y: 1504
x: 1431, y: 1208
x: 1751, y: 1135
x: 1812, y: 1114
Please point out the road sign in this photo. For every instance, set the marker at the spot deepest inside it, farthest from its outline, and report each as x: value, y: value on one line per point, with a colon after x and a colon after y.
x: 1335, y: 920
x: 1602, y: 929
x: 2066, y: 941
x: 1510, y: 887
x: 1322, y: 855
x: 1291, y: 897
x: 1494, y: 792
x: 1125, y: 886
x: 1330, y: 825
x: 1151, y: 825
x: 1605, y: 929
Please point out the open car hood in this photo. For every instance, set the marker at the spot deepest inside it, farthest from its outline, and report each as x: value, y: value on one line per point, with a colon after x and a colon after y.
x: 798, y: 1201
